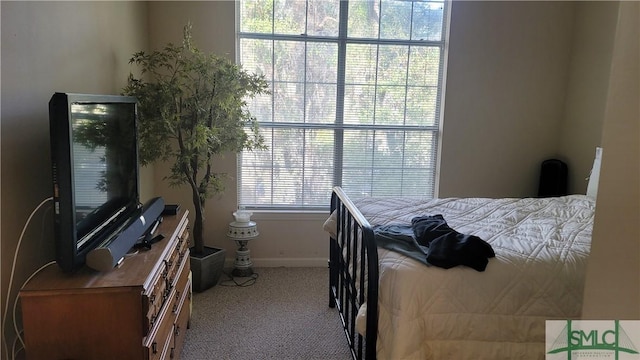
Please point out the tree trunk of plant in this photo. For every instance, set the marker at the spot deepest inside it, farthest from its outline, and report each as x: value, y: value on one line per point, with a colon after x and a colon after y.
x: 198, y: 225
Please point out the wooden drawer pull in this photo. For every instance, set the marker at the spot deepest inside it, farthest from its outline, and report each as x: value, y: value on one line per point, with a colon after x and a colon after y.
x: 165, y: 270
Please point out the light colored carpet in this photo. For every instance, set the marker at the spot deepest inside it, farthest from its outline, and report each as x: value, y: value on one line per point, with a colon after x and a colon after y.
x: 284, y: 315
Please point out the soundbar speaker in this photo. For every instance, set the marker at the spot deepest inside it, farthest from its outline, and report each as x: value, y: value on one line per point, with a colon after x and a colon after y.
x: 107, y: 256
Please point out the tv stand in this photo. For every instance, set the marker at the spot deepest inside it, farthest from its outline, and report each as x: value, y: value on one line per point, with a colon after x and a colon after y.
x: 139, y: 310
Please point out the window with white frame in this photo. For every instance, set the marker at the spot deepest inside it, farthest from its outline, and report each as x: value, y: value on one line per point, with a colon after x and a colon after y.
x: 356, y: 94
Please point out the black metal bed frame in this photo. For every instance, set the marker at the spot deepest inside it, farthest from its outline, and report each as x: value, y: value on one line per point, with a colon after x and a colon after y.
x: 353, y: 265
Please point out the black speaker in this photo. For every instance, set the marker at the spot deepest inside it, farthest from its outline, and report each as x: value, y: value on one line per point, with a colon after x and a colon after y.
x: 553, y: 178
x: 107, y: 256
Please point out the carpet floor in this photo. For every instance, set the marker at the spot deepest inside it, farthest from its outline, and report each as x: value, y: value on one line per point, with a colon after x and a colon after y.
x: 284, y: 314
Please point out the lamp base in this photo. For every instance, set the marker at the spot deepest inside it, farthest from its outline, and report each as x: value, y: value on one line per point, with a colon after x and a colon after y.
x: 243, y: 264
x: 242, y: 272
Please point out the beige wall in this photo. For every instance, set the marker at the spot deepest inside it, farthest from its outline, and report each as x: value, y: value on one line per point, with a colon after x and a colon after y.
x: 516, y: 71
x: 612, y: 289
x: 506, y: 84
x: 47, y: 47
x: 581, y: 130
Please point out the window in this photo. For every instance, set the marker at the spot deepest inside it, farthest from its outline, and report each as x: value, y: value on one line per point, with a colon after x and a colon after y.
x: 356, y: 99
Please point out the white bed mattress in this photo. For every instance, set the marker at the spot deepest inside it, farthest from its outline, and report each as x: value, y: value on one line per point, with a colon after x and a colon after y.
x: 541, y: 248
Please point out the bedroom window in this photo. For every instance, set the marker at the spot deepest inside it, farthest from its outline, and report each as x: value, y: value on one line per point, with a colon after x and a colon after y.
x: 356, y: 99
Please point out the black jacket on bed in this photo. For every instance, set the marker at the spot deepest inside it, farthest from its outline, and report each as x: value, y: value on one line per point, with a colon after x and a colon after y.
x: 431, y: 240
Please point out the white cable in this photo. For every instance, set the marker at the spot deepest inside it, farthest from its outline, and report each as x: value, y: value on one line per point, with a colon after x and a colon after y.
x: 15, y: 305
x: 13, y: 268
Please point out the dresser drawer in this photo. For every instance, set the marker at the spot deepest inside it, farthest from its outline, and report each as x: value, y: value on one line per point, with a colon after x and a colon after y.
x: 166, y: 278
x: 164, y: 349
x: 161, y: 343
x: 182, y: 321
x: 157, y: 343
x: 182, y: 287
x: 156, y: 297
x: 176, y: 259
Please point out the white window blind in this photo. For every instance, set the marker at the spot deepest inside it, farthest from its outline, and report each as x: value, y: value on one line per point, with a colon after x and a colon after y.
x: 356, y: 93
x: 89, y: 168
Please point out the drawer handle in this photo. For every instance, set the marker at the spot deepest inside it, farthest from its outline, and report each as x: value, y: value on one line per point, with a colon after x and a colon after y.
x: 152, y: 298
x: 165, y: 270
x: 171, y: 354
x: 177, y: 331
x: 154, y: 347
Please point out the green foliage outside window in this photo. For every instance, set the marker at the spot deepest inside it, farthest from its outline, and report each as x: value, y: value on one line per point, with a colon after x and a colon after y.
x: 357, y: 88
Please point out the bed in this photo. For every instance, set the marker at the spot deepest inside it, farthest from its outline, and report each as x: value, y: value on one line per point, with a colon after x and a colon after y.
x: 421, y: 311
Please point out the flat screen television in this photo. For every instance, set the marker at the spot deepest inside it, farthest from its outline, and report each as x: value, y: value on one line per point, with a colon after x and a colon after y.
x: 95, y: 170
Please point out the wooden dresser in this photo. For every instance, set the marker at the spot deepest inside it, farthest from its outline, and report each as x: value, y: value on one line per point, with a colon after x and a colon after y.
x: 139, y: 310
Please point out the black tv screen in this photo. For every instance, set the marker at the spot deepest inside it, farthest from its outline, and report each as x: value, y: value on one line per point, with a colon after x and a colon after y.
x: 94, y: 153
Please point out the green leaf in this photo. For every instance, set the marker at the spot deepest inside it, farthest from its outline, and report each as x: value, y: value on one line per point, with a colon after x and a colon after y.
x: 191, y: 108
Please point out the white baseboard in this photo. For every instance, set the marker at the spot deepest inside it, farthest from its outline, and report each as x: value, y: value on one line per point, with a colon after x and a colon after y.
x: 283, y: 262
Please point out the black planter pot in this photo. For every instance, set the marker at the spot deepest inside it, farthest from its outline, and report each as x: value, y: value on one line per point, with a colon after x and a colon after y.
x: 206, y: 268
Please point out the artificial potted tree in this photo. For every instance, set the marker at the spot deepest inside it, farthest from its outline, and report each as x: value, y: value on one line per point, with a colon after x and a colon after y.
x: 191, y: 108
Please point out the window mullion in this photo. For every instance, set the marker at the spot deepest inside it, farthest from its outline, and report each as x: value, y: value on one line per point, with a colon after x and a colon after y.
x: 304, y: 121
x: 339, y: 132
x: 374, y: 134
x: 404, y: 120
x: 273, y: 116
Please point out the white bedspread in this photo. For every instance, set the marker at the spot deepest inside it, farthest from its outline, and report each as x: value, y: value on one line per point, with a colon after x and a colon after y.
x: 541, y: 250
